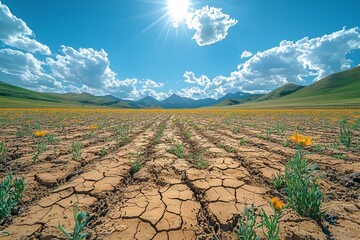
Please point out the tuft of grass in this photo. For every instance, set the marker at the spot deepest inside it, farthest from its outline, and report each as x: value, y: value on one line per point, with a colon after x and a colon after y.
x: 278, y: 181
x: 41, y: 147
x: 102, y: 152
x: 160, y: 133
x: 200, y: 161
x: 81, y: 220
x: 75, y: 150
x: 137, y: 164
x: 187, y: 135
x: 247, y: 225
x: 345, y: 133
x: 11, y: 192
x: 177, y: 150
x: 242, y: 142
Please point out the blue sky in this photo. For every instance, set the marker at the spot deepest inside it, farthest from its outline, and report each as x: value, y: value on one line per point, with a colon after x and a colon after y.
x: 132, y: 49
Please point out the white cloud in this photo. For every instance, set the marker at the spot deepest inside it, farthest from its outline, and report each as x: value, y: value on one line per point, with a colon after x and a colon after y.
x: 150, y: 84
x: 190, y: 78
x: 246, y: 54
x: 300, y: 62
x: 193, y: 92
x: 211, y: 25
x: 15, y: 33
x: 24, y: 69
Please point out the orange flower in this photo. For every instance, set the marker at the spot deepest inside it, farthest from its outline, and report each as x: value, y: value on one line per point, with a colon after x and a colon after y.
x: 277, y: 204
x: 40, y: 133
x: 93, y: 127
x: 302, y: 140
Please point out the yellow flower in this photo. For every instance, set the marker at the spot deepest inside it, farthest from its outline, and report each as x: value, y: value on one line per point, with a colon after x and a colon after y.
x: 302, y: 140
x: 277, y: 204
x: 93, y: 127
x: 40, y: 133
x: 308, y: 141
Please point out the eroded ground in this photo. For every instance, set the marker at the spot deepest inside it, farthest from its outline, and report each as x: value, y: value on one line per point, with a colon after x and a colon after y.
x: 171, y: 197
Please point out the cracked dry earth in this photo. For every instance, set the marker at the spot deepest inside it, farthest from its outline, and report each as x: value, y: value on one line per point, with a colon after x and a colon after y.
x: 170, y: 197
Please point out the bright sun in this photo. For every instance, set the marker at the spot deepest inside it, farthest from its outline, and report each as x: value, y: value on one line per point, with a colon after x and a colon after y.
x: 178, y: 9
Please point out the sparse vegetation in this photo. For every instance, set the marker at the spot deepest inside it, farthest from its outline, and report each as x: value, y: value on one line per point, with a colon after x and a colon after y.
x: 177, y: 150
x: 81, y: 221
x: 345, y: 133
x: 11, y: 192
x: 75, y: 150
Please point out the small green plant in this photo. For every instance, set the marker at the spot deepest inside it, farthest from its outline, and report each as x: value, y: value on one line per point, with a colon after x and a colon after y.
x: 81, y: 220
x: 11, y: 192
x: 102, y: 152
x: 319, y: 149
x: 50, y: 139
x: 268, y: 134
x: 3, y: 152
x: 229, y: 149
x: 270, y: 224
x: 303, y: 193
x: 187, y: 135
x: 137, y: 164
x: 177, y: 150
x: 242, y: 142
x: 339, y: 156
x: 278, y: 181
x: 200, y: 161
x: 41, y: 147
x: 160, y: 133
x: 247, y: 225
x: 345, y: 133
x: 235, y: 130
x: 220, y: 145
x: 335, y: 145
x: 75, y: 150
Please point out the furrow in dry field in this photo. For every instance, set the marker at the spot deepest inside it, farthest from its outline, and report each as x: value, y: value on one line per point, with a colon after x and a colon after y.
x: 263, y: 162
x: 41, y: 220
x: 156, y: 204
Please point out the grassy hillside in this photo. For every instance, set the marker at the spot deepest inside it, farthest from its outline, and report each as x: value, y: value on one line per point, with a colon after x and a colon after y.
x: 340, y: 89
x: 13, y: 96
x: 281, y: 92
x: 230, y: 102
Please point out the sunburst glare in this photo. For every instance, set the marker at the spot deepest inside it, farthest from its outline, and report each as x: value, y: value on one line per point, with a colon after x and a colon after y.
x: 178, y: 10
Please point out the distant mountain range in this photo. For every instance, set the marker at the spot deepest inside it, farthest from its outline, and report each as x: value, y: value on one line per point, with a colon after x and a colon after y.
x: 11, y: 92
x: 342, y: 88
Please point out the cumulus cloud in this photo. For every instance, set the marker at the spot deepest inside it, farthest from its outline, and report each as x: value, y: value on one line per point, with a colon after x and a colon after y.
x: 193, y: 92
x: 246, y: 54
x: 15, y: 33
x: 21, y: 68
x: 211, y: 25
x: 300, y: 62
x: 190, y: 78
x: 150, y: 84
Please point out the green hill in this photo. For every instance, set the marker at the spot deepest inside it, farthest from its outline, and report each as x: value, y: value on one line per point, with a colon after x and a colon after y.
x: 281, y: 92
x: 230, y: 102
x: 13, y: 96
x: 337, y: 90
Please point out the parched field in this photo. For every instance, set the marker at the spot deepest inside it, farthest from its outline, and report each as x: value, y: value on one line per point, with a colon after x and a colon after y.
x: 176, y: 174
